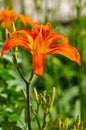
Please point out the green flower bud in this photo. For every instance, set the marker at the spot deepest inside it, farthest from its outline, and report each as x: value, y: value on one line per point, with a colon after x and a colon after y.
x: 24, y: 95
x: 51, y: 99
x: 52, y: 95
x: 65, y: 124
x: 81, y: 126
x: 77, y: 122
x: 44, y: 100
x: 13, y: 29
x: 44, y: 93
x: 60, y: 124
x: 36, y: 95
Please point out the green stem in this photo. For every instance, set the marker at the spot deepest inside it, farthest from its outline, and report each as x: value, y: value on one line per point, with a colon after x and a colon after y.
x: 37, y: 119
x: 28, y: 106
x: 37, y: 108
x: 44, y: 121
x: 38, y: 122
x: 35, y: 113
x: 28, y: 100
x: 18, y: 69
x: 28, y: 82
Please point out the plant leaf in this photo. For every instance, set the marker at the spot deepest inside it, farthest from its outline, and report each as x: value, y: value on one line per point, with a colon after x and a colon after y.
x: 21, y: 122
x: 10, y: 126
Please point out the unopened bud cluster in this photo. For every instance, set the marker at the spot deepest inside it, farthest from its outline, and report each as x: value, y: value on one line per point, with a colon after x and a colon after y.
x: 46, y: 102
x: 63, y: 125
x: 78, y: 125
x: 44, y: 99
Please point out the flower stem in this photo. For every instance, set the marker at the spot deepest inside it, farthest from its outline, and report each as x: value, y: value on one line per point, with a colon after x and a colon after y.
x: 44, y: 122
x: 28, y: 106
x: 35, y: 112
x: 27, y: 82
x: 18, y: 69
x: 28, y: 100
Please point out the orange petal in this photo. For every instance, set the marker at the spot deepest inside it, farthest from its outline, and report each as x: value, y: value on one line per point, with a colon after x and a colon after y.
x: 66, y: 50
x: 53, y: 38
x: 65, y: 40
x: 25, y: 19
x: 51, y: 42
x: 15, y: 41
x: 27, y: 36
x: 38, y: 63
x: 43, y: 29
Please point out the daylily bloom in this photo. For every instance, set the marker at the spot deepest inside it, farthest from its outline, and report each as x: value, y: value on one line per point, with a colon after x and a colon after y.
x: 7, y: 16
x: 40, y: 42
x: 25, y: 19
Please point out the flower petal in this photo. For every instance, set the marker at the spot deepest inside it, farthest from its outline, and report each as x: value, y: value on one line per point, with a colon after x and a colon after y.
x: 38, y: 63
x: 66, y: 50
x: 15, y: 41
x: 51, y: 41
x: 25, y: 19
x: 43, y: 29
x: 65, y: 40
x: 27, y: 36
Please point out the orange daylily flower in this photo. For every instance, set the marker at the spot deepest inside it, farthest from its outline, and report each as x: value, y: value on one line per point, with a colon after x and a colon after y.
x: 25, y: 19
x: 40, y: 42
x: 7, y: 16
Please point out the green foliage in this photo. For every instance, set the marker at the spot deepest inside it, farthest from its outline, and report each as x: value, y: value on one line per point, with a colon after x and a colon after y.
x: 10, y: 126
x: 21, y: 122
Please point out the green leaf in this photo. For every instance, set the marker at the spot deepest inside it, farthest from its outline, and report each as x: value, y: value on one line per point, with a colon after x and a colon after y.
x: 10, y: 126
x: 21, y: 122
x: 5, y: 74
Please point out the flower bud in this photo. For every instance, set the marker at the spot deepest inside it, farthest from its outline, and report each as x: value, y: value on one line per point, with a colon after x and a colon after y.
x: 60, y: 124
x: 24, y: 95
x: 52, y: 95
x: 66, y: 124
x: 44, y: 93
x: 13, y: 28
x: 77, y: 122
x: 36, y: 95
x: 44, y: 100
x: 81, y: 126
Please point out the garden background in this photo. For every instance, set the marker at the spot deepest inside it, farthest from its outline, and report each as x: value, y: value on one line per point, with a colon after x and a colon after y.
x: 68, y: 17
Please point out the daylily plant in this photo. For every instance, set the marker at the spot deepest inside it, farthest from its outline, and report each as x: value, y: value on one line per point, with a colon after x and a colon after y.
x: 41, y: 42
x: 7, y: 16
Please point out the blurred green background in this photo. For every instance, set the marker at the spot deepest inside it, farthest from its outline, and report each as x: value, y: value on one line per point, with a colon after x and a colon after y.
x: 68, y: 78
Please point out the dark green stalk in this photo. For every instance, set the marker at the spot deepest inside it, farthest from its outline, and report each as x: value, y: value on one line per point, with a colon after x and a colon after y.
x: 37, y: 108
x: 28, y: 106
x: 37, y: 119
x: 28, y: 100
x: 38, y: 122
x: 27, y: 90
x: 44, y: 121
x: 21, y: 74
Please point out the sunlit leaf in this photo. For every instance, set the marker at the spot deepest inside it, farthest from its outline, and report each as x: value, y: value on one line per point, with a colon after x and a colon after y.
x: 21, y: 122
